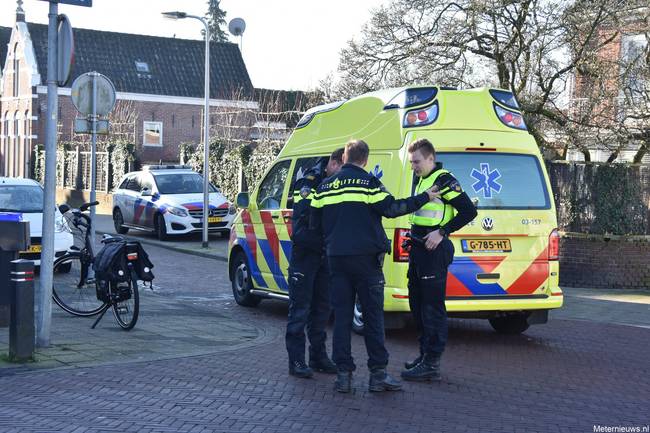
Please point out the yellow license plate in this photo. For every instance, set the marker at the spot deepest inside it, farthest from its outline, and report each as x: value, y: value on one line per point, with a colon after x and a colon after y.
x: 33, y: 249
x: 486, y: 245
x: 214, y: 219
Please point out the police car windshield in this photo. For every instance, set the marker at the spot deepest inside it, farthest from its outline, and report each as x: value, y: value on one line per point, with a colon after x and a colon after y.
x: 21, y: 198
x: 181, y: 183
x: 499, y: 180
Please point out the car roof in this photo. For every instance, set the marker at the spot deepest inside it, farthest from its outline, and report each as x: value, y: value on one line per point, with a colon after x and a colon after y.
x: 18, y: 181
x: 163, y: 171
x: 170, y: 171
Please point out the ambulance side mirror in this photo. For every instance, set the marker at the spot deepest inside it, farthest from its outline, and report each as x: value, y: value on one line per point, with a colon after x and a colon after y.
x: 242, y: 200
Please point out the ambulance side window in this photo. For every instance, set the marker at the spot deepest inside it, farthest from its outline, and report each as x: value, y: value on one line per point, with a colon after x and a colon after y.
x: 302, y: 165
x: 269, y: 195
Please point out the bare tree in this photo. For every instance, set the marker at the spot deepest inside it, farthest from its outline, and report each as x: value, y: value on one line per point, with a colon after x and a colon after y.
x: 532, y: 47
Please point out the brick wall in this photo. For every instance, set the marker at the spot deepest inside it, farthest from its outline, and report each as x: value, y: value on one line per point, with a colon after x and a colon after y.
x: 181, y: 123
x: 594, y: 261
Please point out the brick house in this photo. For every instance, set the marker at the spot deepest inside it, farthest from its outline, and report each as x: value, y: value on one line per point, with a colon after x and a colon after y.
x: 162, y: 77
x: 629, y: 41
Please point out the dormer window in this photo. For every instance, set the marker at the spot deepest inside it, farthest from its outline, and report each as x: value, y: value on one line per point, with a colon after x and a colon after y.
x: 142, y: 67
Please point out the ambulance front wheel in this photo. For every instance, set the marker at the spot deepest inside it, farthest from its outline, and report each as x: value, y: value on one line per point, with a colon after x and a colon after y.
x: 510, y: 324
x: 241, y: 282
x: 357, y: 318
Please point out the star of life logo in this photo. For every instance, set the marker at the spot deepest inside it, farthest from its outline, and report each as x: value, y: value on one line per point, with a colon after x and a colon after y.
x: 486, y: 180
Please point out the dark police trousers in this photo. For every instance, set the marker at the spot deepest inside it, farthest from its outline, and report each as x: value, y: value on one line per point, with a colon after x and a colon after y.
x: 427, y: 275
x: 309, y: 305
x: 361, y: 276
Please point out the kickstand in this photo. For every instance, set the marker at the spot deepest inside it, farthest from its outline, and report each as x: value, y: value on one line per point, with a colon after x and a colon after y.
x: 104, y: 310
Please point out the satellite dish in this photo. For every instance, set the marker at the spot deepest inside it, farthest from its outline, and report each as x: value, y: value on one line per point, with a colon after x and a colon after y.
x: 237, y: 26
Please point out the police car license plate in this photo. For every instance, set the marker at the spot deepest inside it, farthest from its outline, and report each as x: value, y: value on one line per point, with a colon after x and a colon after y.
x: 214, y: 219
x: 486, y: 245
x: 33, y: 249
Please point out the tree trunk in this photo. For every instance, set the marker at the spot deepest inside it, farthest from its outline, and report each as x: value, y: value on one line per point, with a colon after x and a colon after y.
x: 586, y: 154
x: 641, y: 153
x: 612, y: 157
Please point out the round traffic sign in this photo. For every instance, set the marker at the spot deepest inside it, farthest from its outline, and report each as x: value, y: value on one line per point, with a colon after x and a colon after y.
x: 82, y: 94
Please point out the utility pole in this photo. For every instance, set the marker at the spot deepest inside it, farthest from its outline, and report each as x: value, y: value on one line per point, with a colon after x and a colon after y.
x: 44, y: 295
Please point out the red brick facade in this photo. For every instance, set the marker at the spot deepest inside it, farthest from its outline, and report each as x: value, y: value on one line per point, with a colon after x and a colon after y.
x: 22, y: 125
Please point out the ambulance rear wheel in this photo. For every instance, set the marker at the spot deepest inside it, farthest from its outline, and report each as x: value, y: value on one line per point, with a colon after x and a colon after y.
x: 242, y: 283
x: 510, y: 324
x: 357, y: 318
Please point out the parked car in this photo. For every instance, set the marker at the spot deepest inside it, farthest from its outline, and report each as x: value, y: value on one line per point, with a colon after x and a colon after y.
x: 25, y: 196
x: 168, y: 200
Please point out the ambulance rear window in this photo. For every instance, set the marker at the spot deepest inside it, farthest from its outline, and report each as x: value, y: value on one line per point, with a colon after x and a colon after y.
x: 499, y: 180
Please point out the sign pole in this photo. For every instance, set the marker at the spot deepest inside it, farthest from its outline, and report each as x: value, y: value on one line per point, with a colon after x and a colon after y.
x: 93, y: 161
x: 44, y: 295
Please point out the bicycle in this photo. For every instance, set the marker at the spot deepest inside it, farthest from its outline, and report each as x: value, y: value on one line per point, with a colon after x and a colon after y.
x: 81, y: 295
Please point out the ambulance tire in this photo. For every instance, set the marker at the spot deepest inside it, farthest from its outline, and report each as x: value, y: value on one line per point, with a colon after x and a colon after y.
x: 357, y: 318
x: 242, y: 283
x: 511, y: 324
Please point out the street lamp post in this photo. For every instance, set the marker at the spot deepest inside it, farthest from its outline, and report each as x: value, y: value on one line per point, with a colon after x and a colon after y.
x: 206, y: 121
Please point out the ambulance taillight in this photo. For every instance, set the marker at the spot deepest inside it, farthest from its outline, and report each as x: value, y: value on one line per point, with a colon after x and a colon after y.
x: 554, y: 245
x: 400, y: 254
x: 421, y: 116
x: 510, y: 118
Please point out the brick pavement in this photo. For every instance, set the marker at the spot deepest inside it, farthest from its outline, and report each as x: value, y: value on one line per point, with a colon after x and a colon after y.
x: 565, y: 376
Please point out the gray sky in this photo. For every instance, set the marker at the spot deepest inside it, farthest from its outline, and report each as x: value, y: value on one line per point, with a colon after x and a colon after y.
x: 288, y: 44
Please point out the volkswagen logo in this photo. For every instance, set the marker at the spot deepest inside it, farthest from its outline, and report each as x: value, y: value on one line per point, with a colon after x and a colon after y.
x: 487, y: 223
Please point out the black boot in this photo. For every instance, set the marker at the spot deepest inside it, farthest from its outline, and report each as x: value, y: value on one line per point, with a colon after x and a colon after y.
x: 416, y: 361
x: 382, y: 381
x: 343, y: 382
x: 428, y: 369
x: 300, y: 369
x: 323, y: 365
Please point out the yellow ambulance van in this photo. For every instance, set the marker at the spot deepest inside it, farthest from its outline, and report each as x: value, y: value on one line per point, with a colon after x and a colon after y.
x: 506, y: 263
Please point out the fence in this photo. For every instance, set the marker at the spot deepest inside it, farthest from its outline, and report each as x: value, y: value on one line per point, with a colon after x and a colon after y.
x: 601, y: 198
x: 73, y: 170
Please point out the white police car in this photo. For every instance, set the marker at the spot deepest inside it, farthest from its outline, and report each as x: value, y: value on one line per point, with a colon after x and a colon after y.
x: 168, y: 200
x: 25, y: 197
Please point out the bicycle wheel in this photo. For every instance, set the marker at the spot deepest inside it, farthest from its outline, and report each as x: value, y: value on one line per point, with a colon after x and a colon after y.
x: 127, y: 307
x: 70, y: 288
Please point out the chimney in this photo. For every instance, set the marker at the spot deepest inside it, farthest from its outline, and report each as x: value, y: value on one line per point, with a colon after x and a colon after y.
x: 20, y: 13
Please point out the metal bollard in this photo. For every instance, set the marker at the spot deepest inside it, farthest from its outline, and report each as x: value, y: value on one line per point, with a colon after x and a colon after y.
x: 21, y: 328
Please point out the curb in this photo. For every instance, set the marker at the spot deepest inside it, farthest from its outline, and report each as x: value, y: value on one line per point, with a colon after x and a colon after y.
x: 169, y: 247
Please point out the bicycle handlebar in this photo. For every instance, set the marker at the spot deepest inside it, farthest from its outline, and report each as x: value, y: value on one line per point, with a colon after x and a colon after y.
x: 84, y: 207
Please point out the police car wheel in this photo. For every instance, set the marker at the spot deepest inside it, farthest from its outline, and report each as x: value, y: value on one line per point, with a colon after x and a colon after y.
x: 511, y: 324
x: 357, y: 319
x: 241, y: 282
x: 118, y: 221
x: 161, y: 228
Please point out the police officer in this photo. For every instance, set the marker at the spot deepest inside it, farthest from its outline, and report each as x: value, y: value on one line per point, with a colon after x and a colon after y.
x: 348, y: 207
x: 309, y: 278
x: 431, y: 254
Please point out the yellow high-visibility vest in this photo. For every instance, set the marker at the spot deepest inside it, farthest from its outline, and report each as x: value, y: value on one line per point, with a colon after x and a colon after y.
x: 437, y: 212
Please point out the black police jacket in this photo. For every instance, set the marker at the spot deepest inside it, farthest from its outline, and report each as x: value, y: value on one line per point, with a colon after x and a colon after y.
x: 348, y: 208
x: 303, y: 191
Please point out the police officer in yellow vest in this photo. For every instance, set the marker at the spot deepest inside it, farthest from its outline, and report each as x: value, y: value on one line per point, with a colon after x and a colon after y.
x: 430, y: 255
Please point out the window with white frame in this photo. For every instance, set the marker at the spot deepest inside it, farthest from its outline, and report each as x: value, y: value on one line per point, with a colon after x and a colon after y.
x: 152, y: 135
